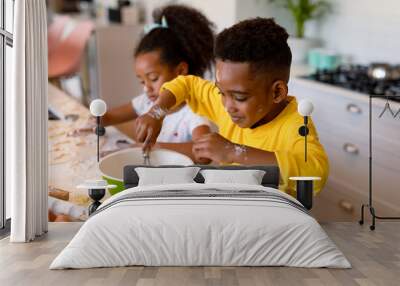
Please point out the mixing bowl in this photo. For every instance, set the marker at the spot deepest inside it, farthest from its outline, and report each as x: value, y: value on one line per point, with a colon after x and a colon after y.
x: 112, y: 165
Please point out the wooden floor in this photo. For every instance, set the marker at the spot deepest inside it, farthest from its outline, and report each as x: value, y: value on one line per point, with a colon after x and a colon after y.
x: 375, y: 257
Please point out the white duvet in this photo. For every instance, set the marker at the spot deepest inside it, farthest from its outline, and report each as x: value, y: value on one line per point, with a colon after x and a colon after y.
x: 190, y: 231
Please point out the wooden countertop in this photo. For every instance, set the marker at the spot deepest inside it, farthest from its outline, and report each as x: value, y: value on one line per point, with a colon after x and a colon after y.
x: 374, y: 255
x: 72, y: 159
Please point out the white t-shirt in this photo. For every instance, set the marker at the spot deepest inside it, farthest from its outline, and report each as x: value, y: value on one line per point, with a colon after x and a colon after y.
x: 177, y: 127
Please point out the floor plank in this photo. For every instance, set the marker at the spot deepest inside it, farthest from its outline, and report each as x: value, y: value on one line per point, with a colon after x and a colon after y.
x: 375, y: 257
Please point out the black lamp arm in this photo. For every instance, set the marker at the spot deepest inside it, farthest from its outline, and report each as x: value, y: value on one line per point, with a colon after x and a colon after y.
x: 100, y: 131
x: 303, y: 131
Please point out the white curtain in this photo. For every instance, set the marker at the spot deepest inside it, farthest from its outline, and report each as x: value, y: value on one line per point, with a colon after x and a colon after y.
x: 26, y: 123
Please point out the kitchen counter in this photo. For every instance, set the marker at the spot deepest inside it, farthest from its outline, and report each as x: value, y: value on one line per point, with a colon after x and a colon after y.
x: 72, y: 159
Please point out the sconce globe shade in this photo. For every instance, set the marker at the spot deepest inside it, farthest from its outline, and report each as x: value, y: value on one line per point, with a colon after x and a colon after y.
x: 305, y: 107
x: 98, y: 107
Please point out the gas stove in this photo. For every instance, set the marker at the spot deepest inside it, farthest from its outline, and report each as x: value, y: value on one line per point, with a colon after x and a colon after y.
x: 356, y: 78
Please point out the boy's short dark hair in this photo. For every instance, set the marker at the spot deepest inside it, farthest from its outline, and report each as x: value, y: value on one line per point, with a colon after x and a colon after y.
x: 260, y: 42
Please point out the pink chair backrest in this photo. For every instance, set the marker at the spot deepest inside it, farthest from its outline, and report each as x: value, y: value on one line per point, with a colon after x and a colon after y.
x: 65, y: 58
x: 55, y: 31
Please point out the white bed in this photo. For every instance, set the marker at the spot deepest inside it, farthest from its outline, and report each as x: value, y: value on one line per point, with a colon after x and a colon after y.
x: 225, y: 225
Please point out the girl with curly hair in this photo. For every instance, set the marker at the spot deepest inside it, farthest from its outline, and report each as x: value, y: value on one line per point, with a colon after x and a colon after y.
x: 179, y: 42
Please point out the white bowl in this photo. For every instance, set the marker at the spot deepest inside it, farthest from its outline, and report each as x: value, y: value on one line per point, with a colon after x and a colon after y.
x: 112, y: 165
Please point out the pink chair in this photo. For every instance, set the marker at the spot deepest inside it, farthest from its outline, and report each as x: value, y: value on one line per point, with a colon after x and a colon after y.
x: 54, y: 32
x: 65, y: 54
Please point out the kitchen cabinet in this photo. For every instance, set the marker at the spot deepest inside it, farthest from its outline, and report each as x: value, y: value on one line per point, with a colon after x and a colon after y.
x: 341, y: 119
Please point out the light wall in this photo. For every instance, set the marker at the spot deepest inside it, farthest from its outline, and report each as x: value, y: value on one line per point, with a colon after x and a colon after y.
x: 368, y: 30
x: 221, y: 12
x: 365, y: 30
x: 262, y: 8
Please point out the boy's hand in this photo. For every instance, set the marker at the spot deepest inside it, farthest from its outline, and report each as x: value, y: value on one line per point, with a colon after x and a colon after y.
x: 214, y: 147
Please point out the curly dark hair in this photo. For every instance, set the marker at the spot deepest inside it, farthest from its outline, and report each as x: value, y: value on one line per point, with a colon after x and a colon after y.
x: 188, y: 38
x: 260, y: 42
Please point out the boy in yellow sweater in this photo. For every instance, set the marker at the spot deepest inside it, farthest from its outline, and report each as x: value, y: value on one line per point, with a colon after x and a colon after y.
x: 258, y: 122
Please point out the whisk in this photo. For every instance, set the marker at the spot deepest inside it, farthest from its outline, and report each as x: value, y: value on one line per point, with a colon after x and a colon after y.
x: 146, y: 151
x: 146, y: 158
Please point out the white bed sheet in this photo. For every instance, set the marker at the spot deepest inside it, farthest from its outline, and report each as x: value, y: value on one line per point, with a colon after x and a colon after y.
x: 200, y: 231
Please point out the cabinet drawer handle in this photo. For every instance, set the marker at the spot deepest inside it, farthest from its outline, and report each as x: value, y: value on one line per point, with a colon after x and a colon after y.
x: 347, y: 206
x: 350, y: 148
x: 352, y: 108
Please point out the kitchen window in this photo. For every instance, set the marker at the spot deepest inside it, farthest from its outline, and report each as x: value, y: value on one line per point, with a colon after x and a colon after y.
x: 6, y: 44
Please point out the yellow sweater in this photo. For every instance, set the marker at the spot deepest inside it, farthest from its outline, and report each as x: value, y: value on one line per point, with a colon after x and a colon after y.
x: 279, y: 135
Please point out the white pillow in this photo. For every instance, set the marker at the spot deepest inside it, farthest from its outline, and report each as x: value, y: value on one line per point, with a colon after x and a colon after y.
x: 248, y: 177
x: 164, y: 176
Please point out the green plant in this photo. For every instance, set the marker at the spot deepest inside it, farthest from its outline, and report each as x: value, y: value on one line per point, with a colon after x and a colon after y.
x: 303, y: 11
